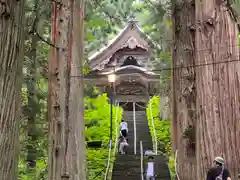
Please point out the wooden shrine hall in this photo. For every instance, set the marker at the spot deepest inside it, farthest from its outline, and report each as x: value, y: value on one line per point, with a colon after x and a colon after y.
x: 124, y: 68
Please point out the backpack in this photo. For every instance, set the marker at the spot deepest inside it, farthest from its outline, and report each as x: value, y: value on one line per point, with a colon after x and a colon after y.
x: 220, y: 176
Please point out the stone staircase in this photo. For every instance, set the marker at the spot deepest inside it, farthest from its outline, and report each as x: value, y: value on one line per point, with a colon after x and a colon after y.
x: 143, y: 132
x: 128, y: 166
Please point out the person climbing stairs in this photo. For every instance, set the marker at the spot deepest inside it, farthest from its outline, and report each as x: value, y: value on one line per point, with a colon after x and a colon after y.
x: 128, y: 166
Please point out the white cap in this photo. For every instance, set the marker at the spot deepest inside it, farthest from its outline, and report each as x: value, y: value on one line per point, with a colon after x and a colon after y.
x: 219, y: 160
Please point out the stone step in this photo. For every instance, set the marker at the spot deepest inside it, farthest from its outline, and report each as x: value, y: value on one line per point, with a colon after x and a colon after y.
x: 128, y: 166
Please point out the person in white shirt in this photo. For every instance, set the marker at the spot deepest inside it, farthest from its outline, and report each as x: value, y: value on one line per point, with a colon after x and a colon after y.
x: 123, y: 129
x: 150, y: 168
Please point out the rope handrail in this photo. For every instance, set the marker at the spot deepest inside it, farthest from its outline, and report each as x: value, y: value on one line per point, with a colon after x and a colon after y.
x: 144, y: 107
x: 110, y: 147
x: 109, y: 158
x: 176, y: 165
x: 124, y: 103
x: 100, y: 172
x: 141, y: 151
x: 154, y: 130
x: 153, y: 126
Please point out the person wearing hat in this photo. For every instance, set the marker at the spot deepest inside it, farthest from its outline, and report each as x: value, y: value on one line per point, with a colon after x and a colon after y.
x: 148, y: 152
x: 218, y: 172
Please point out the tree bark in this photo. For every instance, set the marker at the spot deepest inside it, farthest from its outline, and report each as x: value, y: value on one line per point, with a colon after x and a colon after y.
x: 11, y: 59
x: 218, y: 86
x: 183, y: 86
x: 67, y: 142
x: 32, y: 109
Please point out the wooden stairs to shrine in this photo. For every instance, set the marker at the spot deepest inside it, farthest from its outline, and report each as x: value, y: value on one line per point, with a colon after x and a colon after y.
x: 128, y: 166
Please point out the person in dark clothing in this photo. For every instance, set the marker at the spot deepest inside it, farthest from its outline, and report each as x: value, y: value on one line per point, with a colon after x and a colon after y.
x: 218, y: 172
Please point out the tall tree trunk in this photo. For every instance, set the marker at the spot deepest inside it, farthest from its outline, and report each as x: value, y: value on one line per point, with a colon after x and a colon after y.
x: 32, y: 106
x: 32, y: 110
x: 11, y: 59
x: 67, y: 146
x: 77, y: 137
x: 184, y: 93
x: 218, y: 99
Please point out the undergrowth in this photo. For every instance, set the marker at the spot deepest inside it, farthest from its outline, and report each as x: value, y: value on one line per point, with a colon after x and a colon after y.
x: 163, y: 134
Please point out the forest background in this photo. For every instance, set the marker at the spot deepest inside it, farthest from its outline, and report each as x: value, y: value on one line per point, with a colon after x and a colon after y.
x: 103, y: 19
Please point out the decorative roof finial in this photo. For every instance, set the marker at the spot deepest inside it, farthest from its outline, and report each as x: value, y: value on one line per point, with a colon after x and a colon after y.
x: 132, y: 19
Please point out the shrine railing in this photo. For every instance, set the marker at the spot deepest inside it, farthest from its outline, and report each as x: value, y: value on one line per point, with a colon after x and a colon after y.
x: 134, y: 126
x: 141, y: 151
x: 176, y: 155
x: 154, y: 130
x: 155, y: 143
x: 109, y: 167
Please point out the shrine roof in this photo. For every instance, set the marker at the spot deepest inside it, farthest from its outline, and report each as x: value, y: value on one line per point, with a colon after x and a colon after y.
x: 130, y: 67
x: 124, y: 71
x: 131, y: 36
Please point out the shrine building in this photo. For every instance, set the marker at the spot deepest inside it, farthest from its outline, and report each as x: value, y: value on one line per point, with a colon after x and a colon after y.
x: 124, y: 68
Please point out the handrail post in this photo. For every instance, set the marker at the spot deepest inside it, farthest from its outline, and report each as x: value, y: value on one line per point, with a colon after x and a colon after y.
x: 110, y: 145
x: 141, y: 151
x: 176, y: 164
x: 134, y: 126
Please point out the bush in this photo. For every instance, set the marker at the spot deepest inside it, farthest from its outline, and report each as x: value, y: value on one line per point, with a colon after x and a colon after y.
x: 97, y: 125
x: 162, y: 127
x: 163, y: 132
x: 171, y: 165
x: 97, y: 119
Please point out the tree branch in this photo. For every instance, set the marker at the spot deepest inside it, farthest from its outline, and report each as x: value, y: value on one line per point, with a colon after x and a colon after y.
x: 45, y: 41
x: 34, y: 27
x: 112, y: 18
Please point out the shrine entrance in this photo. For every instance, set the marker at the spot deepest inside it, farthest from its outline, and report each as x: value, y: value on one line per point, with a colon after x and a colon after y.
x: 129, y: 57
x: 129, y: 106
x: 124, y: 69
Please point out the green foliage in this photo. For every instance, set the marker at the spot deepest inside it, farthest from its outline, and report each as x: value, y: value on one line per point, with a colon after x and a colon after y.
x: 189, y: 133
x: 41, y: 171
x: 40, y: 145
x: 162, y: 127
x: 162, y: 132
x: 97, y: 119
x: 171, y: 165
x: 97, y: 123
x: 155, y: 19
x: 235, y: 4
x: 103, y: 19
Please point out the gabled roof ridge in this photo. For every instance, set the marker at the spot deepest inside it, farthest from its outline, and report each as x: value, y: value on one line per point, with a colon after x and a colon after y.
x: 120, y: 34
x: 110, y: 42
x: 130, y: 66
